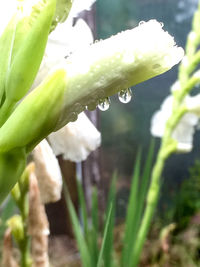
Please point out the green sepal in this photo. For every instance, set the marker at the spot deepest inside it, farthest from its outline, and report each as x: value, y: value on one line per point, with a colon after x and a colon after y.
x: 29, y: 46
x: 36, y: 116
x: 12, y: 164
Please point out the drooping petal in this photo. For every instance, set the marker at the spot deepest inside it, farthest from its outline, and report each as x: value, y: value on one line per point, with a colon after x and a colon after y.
x: 76, y: 140
x: 47, y: 172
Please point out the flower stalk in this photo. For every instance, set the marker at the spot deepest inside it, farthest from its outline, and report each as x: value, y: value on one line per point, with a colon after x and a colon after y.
x: 20, y: 195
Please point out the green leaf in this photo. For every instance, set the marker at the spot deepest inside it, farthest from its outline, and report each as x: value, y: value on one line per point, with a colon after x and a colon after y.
x: 105, y: 239
x: 108, y: 251
x: 82, y: 245
x: 145, y: 181
x: 12, y: 164
x: 131, y: 217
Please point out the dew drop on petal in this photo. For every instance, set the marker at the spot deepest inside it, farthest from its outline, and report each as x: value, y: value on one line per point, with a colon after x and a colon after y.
x: 104, y: 104
x: 161, y: 24
x: 125, y: 95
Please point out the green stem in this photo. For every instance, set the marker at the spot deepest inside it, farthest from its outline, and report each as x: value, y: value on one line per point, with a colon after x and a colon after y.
x: 24, y: 246
x: 168, y: 146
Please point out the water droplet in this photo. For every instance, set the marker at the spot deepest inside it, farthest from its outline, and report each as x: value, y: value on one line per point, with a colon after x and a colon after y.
x: 125, y: 95
x: 141, y: 22
x: 104, y: 104
x: 91, y: 104
x: 161, y: 24
x: 73, y: 116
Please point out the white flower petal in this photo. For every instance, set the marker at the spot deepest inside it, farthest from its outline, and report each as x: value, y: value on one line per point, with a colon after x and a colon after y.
x: 76, y: 37
x: 76, y: 140
x: 160, y: 117
x: 193, y: 104
x: 48, y: 172
x: 60, y: 45
x: 7, y: 9
x: 184, y: 132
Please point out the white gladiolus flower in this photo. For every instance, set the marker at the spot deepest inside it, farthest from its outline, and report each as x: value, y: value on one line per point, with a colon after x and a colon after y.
x: 76, y: 140
x: 48, y: 172
x: 71, y: 141
x: 184, y: 131
x: 60, y: 45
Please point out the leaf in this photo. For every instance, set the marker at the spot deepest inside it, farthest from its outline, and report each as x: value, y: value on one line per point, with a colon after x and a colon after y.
x: 105, y: 235
x: 131, y: 217
x: 82, y: 245
x: 108, y: 251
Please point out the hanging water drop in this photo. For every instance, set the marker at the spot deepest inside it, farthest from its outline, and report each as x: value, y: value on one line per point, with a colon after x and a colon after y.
x: 104, y: 104
x: 141, y: 22
x: 125, y: 95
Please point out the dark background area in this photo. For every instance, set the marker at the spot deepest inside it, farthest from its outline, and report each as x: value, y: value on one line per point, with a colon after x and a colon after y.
x: 126, y: 127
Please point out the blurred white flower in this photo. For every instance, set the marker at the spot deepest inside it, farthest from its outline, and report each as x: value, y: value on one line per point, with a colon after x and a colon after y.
x: 193, y: 104
x: 48, y: 172
x: 76, y: 140
x: 184, y: 131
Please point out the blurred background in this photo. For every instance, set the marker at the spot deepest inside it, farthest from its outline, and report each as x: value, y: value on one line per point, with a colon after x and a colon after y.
x: 126, y: 127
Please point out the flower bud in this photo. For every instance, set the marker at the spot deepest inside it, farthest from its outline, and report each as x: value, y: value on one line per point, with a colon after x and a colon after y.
x: 29, y: 42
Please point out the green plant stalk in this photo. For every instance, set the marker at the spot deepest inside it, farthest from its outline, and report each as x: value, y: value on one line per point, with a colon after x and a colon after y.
x: 20, y: 195
x: 152, y: 198
x: 25, y: 245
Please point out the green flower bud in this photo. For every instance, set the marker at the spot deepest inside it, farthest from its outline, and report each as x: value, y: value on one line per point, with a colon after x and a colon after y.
x: 6, y: 44
x: 16, y: 225
x: 28, y: 46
